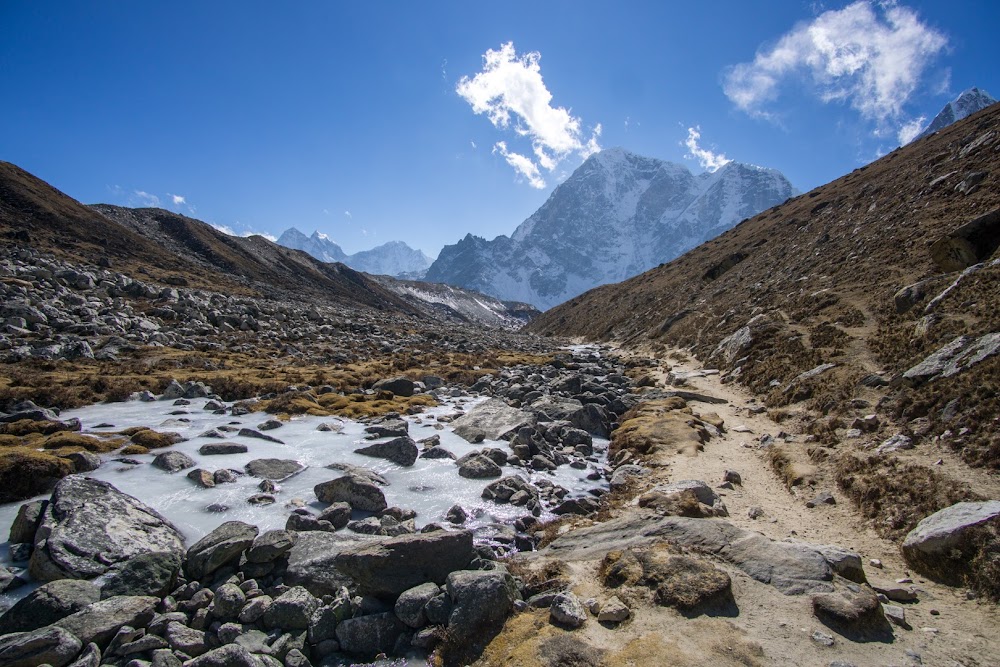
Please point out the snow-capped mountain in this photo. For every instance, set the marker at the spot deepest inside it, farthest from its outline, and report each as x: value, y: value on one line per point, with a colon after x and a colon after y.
x: 616, y: 216
x: 461, y: 305
x: 394, y: 258
x: 318, y: 245
x: 966, y: 104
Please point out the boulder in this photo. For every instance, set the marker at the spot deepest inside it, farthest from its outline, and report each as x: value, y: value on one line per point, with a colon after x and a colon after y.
x: 401, y: 451
x: 854, y: 612
x: 399, y: 386
x: 230, y: 655
x: 271, y: 545
x: 220, y: 448
x: 437, y: 453
x: 492, y: 419
x: 29, y: 517
x: 90, y: 525
x: 338, y: 514
x: 567, y: 610
x: 47, y: 604
x: 228, y: 601
x: 393, y: 427
x: 389, y: 567
x: 358, y: 471
x: 100, y: 621
x: 186, y: 640
x: 291, y: 610
x: 941, y: 545
x: 479, y: 467
x: 45, y: 646
x: 481, y: 601
x: 691, y: 498
x: 409, y: 607
x: 173, y: 461
x: 276, y: 470
x: 146, y: 574
x: 358, y: 492
x: 370, y: 635
x: 223, y: 545
x: 84, y: 461
x: 311, y: 562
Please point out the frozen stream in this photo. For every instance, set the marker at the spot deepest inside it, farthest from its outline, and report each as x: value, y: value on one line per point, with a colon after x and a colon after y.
x: 430, y: 486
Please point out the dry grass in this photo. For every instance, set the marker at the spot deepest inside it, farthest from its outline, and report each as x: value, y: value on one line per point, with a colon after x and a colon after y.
x: 25, y: 472
x: 786, y: 462
x: 896, y: 495
x: 150, y: 439
x: 78, y: 441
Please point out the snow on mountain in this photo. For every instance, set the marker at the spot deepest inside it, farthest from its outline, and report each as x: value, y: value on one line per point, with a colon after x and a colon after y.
x: 461, y: 305
x: 966, y: 104
x: 392, y: 259
x: 318, y: 245
x: 616, y: 216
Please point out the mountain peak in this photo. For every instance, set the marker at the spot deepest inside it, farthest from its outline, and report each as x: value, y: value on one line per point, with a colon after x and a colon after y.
x: 967, y: 103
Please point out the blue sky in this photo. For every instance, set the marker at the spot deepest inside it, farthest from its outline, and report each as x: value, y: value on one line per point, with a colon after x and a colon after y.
x: 379, y: 121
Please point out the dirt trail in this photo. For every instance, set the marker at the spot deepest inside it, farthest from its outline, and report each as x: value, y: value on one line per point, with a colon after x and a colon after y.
x: 961, y: 632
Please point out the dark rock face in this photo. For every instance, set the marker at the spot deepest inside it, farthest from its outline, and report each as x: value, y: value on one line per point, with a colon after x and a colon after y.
x: 312, y: 562
x: 358, y: 492
x: 399, y: 386
x: 370, y: 635
x: 481, y: 602
x: 77, y: 539
x: 387, y: 568
x: 221, y: 546
x: 401, y: 451
x: 47, y: 604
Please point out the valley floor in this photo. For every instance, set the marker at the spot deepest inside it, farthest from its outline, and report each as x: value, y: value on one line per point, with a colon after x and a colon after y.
x: 944, y: 626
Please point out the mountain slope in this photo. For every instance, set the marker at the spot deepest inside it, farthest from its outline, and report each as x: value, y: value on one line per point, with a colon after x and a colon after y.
x: 963, y: 106
x: 461, y: 305
x: 394, y: 258
x: 617, y: 215
x: 870, y: 273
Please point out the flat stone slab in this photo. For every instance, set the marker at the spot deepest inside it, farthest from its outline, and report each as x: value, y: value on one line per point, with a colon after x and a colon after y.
x: 276, y: 470
x: 491, y: 420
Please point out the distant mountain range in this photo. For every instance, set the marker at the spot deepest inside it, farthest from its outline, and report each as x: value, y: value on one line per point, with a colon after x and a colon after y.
x: 616, y: 216
x: 966, y: 104
x: 394, y: 258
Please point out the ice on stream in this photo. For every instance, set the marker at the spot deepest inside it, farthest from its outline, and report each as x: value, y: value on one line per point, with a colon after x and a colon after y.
x: 430, y: 486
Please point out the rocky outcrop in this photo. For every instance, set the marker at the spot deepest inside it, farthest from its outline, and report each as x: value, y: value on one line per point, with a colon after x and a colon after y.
x: 942, y: 544
x: 77, y: 541
x: 360, y: 493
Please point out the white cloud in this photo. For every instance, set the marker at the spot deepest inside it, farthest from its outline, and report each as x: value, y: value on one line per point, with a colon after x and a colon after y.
x: 177, y: 199
x: 870, y: 55
x: 511, y: 86
x: 522, y: 165
x: 708, y: 160
x: 910, y: 130
x: 229, y: 231
x: 146, y: 198
x: 348, y: 214
x: 473, y: 144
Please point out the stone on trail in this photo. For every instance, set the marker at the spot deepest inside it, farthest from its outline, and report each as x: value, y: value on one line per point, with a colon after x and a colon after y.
x: 567, y: 610
x: 90, y: 525
x: 941, y: 544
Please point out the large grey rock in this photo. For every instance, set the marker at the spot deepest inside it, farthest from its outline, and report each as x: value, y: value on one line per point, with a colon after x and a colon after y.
x: 370, y: 635
x: 567, y: 610
x: 493, y: 420
x: 854, y: 612
x: 228, y: 601
x: 941, y: 544
x: 291, y: 610
x: 389, y: 567
x: 311, y: 562
x: 47, y: 604
x: 555, y: 408
x: 664, y: 495
x: 388, y: 428
x: 84, y: 461
x: 90, y: 525
x: 45, y: 646
x: 399, y: 386
x: 276, y: 470
x: 479, y: 467
x: 358, y: 492
x: 222, y: 448
x: 271, y: 545
x: 791, y: 567
x: 401, y: 451
x: 186, y: 640
x: 409, y: 607
x: 481, y: 602
x: 223, y: 545
x: 173, y: 461
x: 359, y: 471
x: 29, y: 517
x: 955, y: 357
x: 145, y: 574
x: 100, y: 621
